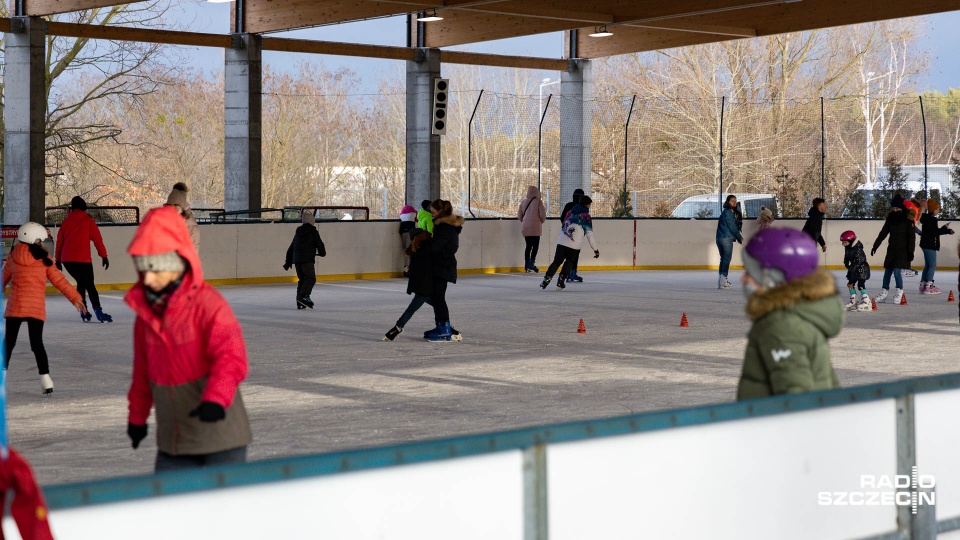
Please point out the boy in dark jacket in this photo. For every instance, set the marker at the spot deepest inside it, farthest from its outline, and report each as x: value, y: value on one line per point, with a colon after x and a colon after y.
x: 930, y: 245
x: 302, y: 253
x: 858, y: 271
x: 814, y: 224
x: 899, y: 226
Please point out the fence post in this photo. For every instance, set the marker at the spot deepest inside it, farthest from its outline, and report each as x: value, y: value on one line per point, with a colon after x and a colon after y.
x: 543, y: 116
x: 634, y: 204
x: 823, y: 153
x: 723, y: 100
x: 546, y: 200
x: 384, y: 212
x: 926, y: 192
x: 535, y: 493
x: 470, y: 154
x: 626, y: 151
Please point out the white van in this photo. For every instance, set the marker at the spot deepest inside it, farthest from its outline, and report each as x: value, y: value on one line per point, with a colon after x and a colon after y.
x: 710, y: 206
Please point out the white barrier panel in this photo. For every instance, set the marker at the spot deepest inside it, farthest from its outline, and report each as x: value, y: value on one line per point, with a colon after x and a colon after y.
x: 753, y: 479
x: 938, y: 441
x: 469, y: 498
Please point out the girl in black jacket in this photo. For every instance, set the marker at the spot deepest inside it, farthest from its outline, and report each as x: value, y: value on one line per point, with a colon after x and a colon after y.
x: 900, y: 248
x: 443, y: 247
x: 930, y: 245
x: 302, y: 253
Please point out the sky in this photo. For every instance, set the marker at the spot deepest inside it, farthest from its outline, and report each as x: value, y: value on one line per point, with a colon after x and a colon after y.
x: 941, y: 40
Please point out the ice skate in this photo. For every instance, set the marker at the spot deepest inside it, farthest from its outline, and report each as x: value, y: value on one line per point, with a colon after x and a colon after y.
x: 852, y: 304
x: 529, y: 267
x: 898, y: 296
x: 392, y: 333
x: 561, y: 285
x: 909, y: 272
x: 443, y: 333
x: 545, y: 282
x: 454, y: 335
x: 86, y: 317
x: 308, y: 302
x: 725, y: 283
x: 864, y: 304
x: 923, y: 287
x: 101, y: 316
x: 883, y: 295
x: 932, y: 289
x: 301, y: 304
x: 46, y: 384
x: 575, y: 277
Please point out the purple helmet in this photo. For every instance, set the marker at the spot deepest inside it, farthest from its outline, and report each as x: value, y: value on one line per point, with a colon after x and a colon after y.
x: 848, y: 236
x: 775, y: 256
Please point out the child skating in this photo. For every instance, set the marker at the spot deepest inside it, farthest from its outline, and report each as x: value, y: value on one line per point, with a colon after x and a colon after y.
x: 302, y: 253
x: 72, y: 252
x: 858, y: 271
x: 27, y: 270
x: 425, y: 217
x: 577, y: 226
x: 930, y: 245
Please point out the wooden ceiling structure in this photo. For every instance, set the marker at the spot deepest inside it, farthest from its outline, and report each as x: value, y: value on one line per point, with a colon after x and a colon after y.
x: 636, y: 25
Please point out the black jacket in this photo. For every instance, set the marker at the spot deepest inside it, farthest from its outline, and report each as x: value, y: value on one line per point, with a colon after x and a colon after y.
x: 903, y: 240
x: 855, y: 261
x: 446, y: 241
x: 420, y: 274
x: 814, y: 226
x: 306, y: 245
x: 930, y: 235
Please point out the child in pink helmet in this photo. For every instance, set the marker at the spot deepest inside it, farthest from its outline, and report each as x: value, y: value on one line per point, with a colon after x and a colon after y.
x: 858, y: 271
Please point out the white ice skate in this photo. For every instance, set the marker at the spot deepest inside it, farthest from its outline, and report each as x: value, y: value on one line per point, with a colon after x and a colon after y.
x: 864, y: 304
x: 898, y: 296
x: 851, y: 305
x: 46, y: 383
x: 883, y: 295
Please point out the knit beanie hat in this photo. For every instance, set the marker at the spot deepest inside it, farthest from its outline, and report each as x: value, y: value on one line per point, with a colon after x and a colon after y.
x: 308, y: 217
x: 897, y: 202
x: 766, y: 213
x: 178, y: 195
x: 77, y: 203
x: 408, y: 210
x: 163, y: 262
x: 932, y: 206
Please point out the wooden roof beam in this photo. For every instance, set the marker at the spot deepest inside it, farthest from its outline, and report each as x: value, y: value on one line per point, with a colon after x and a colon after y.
x: 143, y: 35
x: 271, y: 15
x: 41, y: 8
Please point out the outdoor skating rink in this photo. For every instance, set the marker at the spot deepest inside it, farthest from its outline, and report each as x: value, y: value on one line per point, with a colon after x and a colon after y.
x: 321, y: 380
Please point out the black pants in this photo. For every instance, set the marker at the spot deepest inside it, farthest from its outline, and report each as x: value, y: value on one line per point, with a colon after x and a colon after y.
x: 533, y: 245
x: 35, y: 329
x: 83, y: 273
x: 167, y: 462
x: 566, y: 256
x: 307, y: 274
x: 439, y: 297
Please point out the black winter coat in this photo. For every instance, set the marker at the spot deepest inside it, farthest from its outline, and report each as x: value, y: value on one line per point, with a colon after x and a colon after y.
x: 930, y: 235
x: 814, y: 226
x: 306, y: 245
x: 855, y: 261
x: 421, y: 271
x: 903, y: 240
x: 446, y: 241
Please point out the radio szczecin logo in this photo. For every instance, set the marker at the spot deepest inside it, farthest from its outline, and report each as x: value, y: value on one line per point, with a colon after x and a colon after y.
x: 876, y: 490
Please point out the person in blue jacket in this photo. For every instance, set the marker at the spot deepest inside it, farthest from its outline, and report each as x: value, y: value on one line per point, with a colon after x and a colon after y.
x: 728, y: 231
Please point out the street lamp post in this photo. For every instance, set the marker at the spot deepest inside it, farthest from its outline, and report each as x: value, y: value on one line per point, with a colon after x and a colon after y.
x: 545, y: 82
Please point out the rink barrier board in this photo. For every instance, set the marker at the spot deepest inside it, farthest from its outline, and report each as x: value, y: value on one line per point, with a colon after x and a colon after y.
x: 70, y: 496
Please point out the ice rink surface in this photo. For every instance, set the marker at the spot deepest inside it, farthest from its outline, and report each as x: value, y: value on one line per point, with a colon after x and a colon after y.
x: 321, y: 380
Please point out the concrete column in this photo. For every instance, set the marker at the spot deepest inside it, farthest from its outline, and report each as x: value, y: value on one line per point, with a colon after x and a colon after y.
x: 423, y: 148
x: 25, y: 100
x: 242, y: 185
x: 576, y: 89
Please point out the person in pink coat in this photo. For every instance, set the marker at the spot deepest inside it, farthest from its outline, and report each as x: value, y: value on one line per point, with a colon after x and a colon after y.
x: 532, y: 214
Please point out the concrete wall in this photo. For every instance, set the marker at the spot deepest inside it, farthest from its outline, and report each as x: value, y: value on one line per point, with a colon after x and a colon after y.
x: 248, y: 253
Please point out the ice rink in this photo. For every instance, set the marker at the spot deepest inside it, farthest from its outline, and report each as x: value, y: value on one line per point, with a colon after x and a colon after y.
x: 321, y: 379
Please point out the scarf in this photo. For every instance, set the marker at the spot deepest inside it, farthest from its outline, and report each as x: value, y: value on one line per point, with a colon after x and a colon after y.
x: 158, y: 300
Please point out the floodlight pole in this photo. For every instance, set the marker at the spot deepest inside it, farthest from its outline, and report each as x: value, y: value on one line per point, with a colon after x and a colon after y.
x: 626, y: 151
x: 470, y: 156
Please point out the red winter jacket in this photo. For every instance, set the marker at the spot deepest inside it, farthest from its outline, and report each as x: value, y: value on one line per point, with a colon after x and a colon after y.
x: 73, y: 239
x: 194, y: 352
x: 27, y: 278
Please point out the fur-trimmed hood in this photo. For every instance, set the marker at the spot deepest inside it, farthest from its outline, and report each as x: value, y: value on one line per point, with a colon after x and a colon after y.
x: 452, y: 219
x: 793, y: 295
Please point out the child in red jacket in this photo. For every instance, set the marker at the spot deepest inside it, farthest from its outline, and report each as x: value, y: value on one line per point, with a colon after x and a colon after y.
x: 73, y: 253
x: 189, y: 356
x: 26, y: 271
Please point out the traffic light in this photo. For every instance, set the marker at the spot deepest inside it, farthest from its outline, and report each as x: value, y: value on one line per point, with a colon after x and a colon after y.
x: 440, y: 98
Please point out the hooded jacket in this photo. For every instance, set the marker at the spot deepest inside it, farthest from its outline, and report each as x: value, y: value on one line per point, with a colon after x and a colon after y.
x: 727, y: 226
x: 787, y: 350
x: 194, y: 352
x: 532, y: 213
x: 814, y: 226
x: 28, y: 291
x: 855, y: 261
x: 425, y: 220
x: 444, y: 246
x: 305, y: 246
x: 902, y: 242
x: 931, y: 232
x: 577, y: 226
x: 73, y: 239
x: 420, y: 274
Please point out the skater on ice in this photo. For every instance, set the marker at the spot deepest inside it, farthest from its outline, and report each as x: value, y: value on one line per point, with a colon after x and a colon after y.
x: 858, y: 271
x: 814, y: 224
x: 898, y: 225
x: 574, y: 275
x: 930, y: 245
x: 72, y: 252
x: 728, y: 230
x: 443, y: 250
x: 302, y: 254
x: 532, y: 214
x: 408, y: 227
x: 577, y: 226
x: 795, y: 309
x: 425, y: 217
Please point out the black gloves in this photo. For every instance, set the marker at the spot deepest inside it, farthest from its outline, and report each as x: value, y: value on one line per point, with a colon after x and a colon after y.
x: 286, y: 267
x: 106, y: 263
x: 209, y: 411
x: 60, y: 266
x: 136, y: 434
x: 740, y: 241
x: 873, y: 252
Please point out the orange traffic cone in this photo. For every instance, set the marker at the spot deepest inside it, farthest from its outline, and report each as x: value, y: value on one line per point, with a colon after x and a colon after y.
x: 903, y: 299
x: 950, y: 297
x: 873, y: 304
x: 581, y: 329
x: 683, y: 320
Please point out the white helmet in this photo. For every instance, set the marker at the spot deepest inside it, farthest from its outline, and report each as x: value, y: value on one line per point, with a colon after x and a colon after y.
x: 32, y: 233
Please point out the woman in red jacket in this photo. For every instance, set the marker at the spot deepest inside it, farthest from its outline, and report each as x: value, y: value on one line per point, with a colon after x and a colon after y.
x: 73, y: 252
x: 27, y: 270
x: 189, y: 357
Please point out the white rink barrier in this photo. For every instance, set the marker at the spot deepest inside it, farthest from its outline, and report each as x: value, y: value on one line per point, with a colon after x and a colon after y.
x: 824, y: 465
x: 254, y: 252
